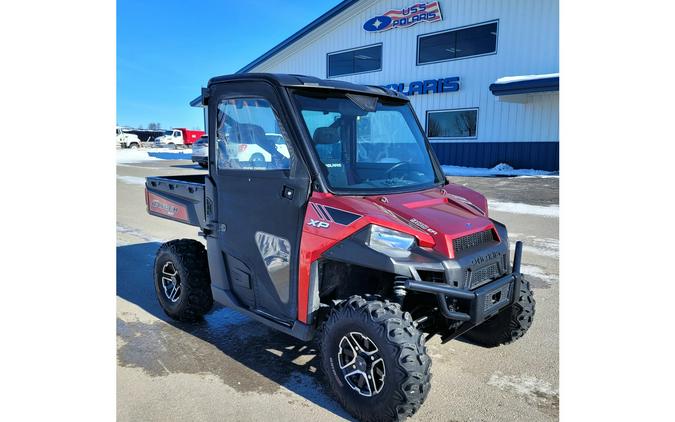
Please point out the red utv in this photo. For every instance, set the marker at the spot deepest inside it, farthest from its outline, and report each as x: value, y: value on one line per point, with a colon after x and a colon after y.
x: 354, y: 237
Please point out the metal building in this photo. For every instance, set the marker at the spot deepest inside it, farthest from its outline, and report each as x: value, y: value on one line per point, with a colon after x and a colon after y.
x: 482, y: 75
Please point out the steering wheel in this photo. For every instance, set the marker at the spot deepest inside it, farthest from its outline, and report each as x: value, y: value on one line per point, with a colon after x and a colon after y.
x: 395, y: 167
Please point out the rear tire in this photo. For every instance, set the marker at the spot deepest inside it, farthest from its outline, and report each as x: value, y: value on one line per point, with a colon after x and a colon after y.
x: 391, y: 350
x: 509, y: 325
x: 182, y: 281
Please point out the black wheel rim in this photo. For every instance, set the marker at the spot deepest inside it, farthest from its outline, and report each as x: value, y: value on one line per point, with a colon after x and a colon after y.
x: 361, y: 364
x: 171, y: 282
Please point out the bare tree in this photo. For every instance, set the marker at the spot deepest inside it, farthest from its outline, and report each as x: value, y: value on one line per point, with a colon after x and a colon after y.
x: 466, y: 123
x: 434, y: 129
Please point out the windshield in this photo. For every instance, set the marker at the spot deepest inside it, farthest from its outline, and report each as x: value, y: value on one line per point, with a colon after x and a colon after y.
x: 367, y: 144
x: 168, y: 132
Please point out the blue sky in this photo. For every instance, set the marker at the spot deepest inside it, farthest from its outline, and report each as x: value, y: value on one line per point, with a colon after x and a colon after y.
x: 168, y: 50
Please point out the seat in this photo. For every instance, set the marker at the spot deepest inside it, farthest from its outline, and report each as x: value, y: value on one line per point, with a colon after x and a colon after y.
x: 329, y: 149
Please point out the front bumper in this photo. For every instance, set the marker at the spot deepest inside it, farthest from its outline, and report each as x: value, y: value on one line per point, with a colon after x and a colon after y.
x: 199, y: 159
x: 479, y: 304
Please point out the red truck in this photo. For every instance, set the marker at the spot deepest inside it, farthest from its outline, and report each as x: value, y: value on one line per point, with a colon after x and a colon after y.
x: 178, y: 136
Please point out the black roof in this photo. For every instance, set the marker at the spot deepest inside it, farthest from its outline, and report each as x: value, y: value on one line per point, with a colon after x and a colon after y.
x: 303, y: 81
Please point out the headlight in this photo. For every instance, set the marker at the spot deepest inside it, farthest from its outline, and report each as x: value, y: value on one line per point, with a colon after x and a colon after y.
x: 381, y: 238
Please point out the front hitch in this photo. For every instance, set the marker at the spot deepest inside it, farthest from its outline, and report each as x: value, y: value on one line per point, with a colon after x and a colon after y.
x: 484, y: 302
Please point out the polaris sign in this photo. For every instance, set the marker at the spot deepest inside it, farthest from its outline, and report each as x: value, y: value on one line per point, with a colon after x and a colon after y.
x: 429, y: 86
x: 403, y: 18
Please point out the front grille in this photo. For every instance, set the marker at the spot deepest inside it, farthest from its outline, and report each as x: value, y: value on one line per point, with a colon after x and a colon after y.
x: 471, y: 241
x: 483, y: 275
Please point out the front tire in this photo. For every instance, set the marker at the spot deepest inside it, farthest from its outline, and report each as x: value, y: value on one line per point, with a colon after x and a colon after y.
x: 182, y: 281
x: 509, y: 325
x: 203, y: 165
x: 375, y: 360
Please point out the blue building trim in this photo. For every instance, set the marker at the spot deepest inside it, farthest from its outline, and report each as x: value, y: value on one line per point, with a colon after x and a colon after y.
x: 519, y: 155
x: 300, y: 34
x: 526, y: 87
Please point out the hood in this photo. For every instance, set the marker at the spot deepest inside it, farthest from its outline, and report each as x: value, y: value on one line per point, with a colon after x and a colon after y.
x: 434, y: 216
x: 439, y: 215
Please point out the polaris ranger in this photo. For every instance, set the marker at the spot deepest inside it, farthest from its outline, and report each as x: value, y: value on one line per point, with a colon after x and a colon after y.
x: 354, y: 237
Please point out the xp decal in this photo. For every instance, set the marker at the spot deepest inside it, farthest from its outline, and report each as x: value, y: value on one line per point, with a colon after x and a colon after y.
x: 318, y: 224
x: 403, y: 18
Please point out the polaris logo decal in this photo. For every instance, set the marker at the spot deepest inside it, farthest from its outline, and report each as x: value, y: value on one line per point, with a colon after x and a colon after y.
x: 405, y: 17
x: 486, y: 258
x: 318, y: 224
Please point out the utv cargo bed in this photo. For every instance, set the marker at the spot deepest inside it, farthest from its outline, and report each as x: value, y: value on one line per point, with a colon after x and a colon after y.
x: 178, y: 198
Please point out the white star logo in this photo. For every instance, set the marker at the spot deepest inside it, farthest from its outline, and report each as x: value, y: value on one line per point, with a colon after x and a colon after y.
x: 377, y: 23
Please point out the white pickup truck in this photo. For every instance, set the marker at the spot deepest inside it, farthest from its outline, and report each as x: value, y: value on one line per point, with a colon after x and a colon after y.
x: 126, y: 140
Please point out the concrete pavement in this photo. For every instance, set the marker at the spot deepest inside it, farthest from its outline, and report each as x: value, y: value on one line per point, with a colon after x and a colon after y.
x: 229, y: 367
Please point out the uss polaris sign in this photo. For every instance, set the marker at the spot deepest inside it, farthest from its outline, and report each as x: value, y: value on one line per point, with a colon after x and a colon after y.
x: 403, y: 18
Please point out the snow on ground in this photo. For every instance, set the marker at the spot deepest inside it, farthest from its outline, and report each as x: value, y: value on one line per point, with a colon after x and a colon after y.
x: 131, y: 180
x: 498, y: 170
x: 520, y: 208
x: 509, y: 79
x: 126, y: 156
x: 538, y: 272
x: 129, y: 156
x: 534, y: 390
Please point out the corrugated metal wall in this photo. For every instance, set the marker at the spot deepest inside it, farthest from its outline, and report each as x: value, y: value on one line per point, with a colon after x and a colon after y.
x: 527, y: 43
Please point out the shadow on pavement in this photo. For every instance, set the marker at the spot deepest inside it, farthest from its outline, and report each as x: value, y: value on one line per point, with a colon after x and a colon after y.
x: 245, y: 354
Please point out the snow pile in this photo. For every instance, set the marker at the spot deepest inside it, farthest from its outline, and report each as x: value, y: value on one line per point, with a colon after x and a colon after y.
x: 127, y: 156
x: 538, y: 272
x: 498, y: 170
x: 509, y: 79
x: 520, y: 208
x: 131, y: 180
x: 170, y: 151
x: 130, y: 156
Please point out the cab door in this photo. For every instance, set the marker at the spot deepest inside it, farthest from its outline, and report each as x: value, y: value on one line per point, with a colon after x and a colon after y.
x: 260, y: 206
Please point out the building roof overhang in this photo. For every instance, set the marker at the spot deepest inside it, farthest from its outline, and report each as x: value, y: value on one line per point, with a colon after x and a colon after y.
x: 527, y: 84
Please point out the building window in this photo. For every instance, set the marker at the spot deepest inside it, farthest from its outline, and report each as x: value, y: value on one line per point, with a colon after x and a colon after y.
x: 476, y: 40
x: 452, y: 123
x: 359, y: 60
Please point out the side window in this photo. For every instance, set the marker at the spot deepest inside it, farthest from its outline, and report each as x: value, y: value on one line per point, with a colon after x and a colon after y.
x: 250, y: 136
